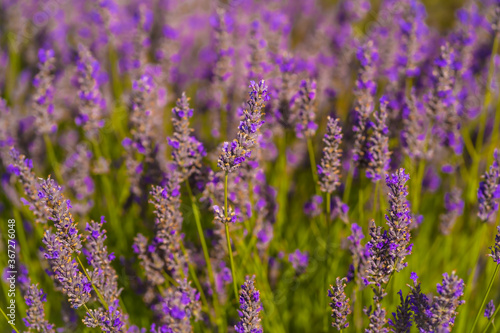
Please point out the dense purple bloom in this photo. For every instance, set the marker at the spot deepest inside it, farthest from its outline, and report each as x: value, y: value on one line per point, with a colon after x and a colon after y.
x: 339, y: 304
x: 305, y: 100
x: 43, y: 103
x: 454, y: 206
x: 359, y: 253
x: 445, y: 303
x: 402, y: 316
x: 250, y: 306
x: 234, y: 153
x: 420, y: 305
x: 329, y: 168
x: 495, y: 250
x: 299, y: 261
x: 378, y: 153
x: 35, y: 314
x: 313, y: 207
x: 489, y: 310
x: 377, y: 319
x: 488, y: 193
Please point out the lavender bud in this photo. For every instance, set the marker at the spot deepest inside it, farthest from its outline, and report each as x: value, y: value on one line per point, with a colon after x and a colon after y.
x: 402, y: 317
x: 489, y: 310
x: 250, y: 306
x: 305, y: 100
x: 495, y: 250
x: 329, y: 168
x: 220, y: 215
x: 445, y: 304
x: 235, y: 153
x: 43, y: 103
x: 454, y: 206
x: 299, y: 261
x: 420, y: 305
x: 339, y: 304
x: 489, y: 190
x: 378, y: 155
x: 35, y: 319
x: 377, y: 319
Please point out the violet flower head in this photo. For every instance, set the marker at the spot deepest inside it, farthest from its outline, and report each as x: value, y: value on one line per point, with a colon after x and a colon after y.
x: 380, y: 263
x: 107, y: 320
x: 489, y: 309
x: 180, y: 305
x: 313, y: 207
x: 91, y: 102
x: 420, y: 305
x: 74, y: 284
x: 35, y: 314
x: 364, y: 105
x: 339, y: 304
x: 377, y: 319
x: 305, y: 100
x: 495, y: 250
x: 454, y: 206
x: 220, y: 215
x: 359, y: 253
x: 488, y: 193
x: 234, y: 153
x: 250, y: 307
x: 43, y: 103
x: 22, y: 167
x: 57, y: 208
x: 329, y: 168
x: 445, y: 303
x: 378, y: 155
x: 398, y: 218
x: 299, y: 261
x: 187, y: 151
x: 402, y: 317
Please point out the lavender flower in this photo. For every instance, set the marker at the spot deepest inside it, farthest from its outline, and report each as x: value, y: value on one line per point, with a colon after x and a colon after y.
x: 250, y: 306
x: 313, y: 208
x: 329, y: 168
x: 23, y: 168
x: 35, y: 319
x: 306, y: 113
x: 44, y: 93
x: 402, y: 317
x: 381, y: 263
x: 359, y: 253
x: 339, y: 304
x: 454, y: 206
x: 489, y: 310
x: 377, y: 319
x: 445, y: 304
x: 220, y: 215
x: 489, y: 190
x: 57, y: 209
x: 299, y: 261
x: 365, y: 90
x: 495, y: 250
x: 420, y: 305
x: 107, y: 320
x: 398, y: 218
x: 235, y: 153
x: 91, y: 103
x: 73, y: 283
x: 378, y: 155
x: 187, y: 152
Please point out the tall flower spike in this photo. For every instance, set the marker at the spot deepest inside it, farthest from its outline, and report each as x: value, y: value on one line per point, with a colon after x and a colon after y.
x: 377, y: 319
x: 91, y: 102
x: 305, y: 99
x: 23, y: 168
x: 495, y: 250
x: 380, y: 263
x: 329, y: 168
x: 339, y: 304
x: 43, y: 104
x: 35, y: 319
x: 398, y: 218
x: 250, y: 306
x: 187, y: 151
x: 74, y: 284
x: 445, y: 304
x: 488, y: 193
x: 235, y: 152
x: 358, y: 252
x: 420, y: 305
x: 378, y: 155
x: 57, y: 209
x: 365, y: 91
x: 402, y: 316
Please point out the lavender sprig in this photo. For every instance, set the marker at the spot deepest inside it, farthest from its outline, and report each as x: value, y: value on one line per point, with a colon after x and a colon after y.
x: 377, y: 319
x: 235, y: 153
x: 250, y: 306
x: 445, y: 304
x: 43, y: 104
x: 489, y: 310
x: 35, y: 319
x: 420, y: 305
x: 339, y: 304
x: 402, y: 316
x: 378, y: 155
x: 489, y: 190
x: 329, y: 168
x: 305, y: 100
x: 495, y: 250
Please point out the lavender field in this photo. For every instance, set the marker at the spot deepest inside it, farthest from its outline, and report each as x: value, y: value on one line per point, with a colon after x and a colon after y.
x: 244, y: 166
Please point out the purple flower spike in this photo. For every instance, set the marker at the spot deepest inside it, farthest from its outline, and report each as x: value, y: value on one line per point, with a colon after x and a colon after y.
x: 339, y: 304
x: 306, y: 114
x: 35, y: 314
x: 43, y: 104
x: 250, y: 307
x: 488, y: 193
x: 329, y: 169
x: 489, y: 310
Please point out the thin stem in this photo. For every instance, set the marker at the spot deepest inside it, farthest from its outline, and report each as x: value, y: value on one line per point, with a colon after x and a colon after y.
x: 230, y: 251
x: 484, y: 298
x: 52, y: 158
x: 8, y: 320
x: 328, y: 207
x: 312, y: 160
x: 93, y: 286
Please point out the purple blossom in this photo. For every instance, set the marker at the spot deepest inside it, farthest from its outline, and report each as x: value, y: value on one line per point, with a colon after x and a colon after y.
x: 250, y: 307
x: 339, y: 304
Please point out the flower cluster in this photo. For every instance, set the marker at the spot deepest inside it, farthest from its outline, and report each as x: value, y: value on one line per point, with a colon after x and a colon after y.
x: 43, y: 104
x: 339, y: 304
x: 35, y: 319
x: 250, y: 307
x: 329, y: 169
x: 489, y: 190
x: 306, y: 114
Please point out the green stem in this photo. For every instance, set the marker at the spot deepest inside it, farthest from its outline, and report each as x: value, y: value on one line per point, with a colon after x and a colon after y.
x: 8, y: 320
x: 484, y: 298
x: 52, y: 158
x: 312, y: 160
x: 490, y: 322
x: 348, y: 184
x: 230, y: 251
